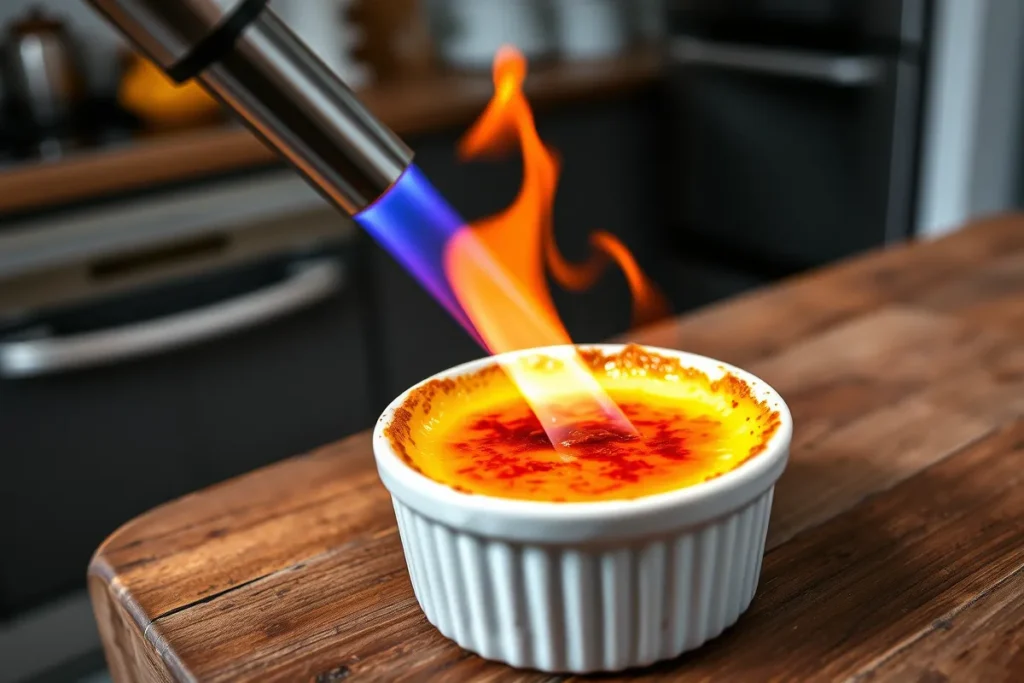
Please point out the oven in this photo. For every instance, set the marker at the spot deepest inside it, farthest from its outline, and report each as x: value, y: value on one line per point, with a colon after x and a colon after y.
x: 132, y: 375
x: 795, y: 127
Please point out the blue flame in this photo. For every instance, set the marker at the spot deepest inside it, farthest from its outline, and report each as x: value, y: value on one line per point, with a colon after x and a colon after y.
x: 414, y: 223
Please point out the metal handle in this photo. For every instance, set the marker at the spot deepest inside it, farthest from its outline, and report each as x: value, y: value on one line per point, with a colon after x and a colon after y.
x: 311, y: 282
x: 840, y: 70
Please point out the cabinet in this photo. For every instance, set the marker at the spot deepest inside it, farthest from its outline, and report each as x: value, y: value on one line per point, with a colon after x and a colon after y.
x: 84, y: 451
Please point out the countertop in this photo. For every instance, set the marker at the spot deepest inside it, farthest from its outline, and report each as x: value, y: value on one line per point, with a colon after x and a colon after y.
x: 410, y: 108
x: 894, y: 551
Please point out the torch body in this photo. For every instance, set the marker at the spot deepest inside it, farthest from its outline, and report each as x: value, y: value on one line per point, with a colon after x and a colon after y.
x: 246, y: 57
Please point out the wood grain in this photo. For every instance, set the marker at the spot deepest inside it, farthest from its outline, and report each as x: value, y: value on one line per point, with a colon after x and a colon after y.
x: 410, y: 108
x: 981, y: 639
x: 330, y: 495
x: 130, y: 655
x: 894, y: 546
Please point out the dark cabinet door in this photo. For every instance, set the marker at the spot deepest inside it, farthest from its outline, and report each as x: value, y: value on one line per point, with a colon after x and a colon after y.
x: 791, y: 157
x: 84, y: 451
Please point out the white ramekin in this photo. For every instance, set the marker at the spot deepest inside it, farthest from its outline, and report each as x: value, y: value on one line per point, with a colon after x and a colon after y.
x: 587, y: 587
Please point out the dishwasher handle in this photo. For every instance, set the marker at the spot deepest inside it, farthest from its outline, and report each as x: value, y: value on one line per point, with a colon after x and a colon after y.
x: 309, y: 283
x: 833, y: 69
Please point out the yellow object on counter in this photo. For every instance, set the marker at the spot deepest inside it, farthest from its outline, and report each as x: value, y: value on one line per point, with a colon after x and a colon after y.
x: 160, y: 102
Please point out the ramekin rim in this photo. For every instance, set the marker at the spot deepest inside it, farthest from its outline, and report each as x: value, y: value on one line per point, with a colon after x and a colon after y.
x: 754, y: 468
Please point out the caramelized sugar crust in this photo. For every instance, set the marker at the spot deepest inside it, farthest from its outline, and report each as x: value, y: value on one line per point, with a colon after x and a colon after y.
x: 476, y: 434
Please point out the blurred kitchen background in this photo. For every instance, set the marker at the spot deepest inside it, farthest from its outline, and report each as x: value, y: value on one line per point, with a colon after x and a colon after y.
x: 177, y: 307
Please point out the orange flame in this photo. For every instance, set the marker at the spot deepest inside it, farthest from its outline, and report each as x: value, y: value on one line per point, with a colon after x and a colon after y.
x: 496, y: 266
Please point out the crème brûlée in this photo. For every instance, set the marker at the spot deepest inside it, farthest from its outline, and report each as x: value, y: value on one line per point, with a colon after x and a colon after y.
x: 476, y: 434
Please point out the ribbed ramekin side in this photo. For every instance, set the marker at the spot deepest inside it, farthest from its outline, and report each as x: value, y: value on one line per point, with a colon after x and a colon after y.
x: 588, y: 608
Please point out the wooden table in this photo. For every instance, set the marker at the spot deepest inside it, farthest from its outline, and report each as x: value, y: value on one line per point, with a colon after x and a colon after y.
x: 896, y: 548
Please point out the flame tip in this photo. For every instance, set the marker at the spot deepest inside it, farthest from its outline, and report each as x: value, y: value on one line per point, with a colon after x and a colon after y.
x: 509, y: 70
x: 498, y: 266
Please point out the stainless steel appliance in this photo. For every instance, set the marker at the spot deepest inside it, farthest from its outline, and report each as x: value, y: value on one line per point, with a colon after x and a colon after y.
x: 795, y: 127
x: 151, y: 348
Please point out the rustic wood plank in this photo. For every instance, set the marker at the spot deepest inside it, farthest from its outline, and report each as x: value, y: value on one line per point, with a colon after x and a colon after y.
x: 907, y: 389
x: 876, y: 401
x: 209, y: 542
x: 991, y: 295
x: 759, y: 323
x: 981, y: 640
x: 130, y: 656
x: 928, y: 347
x: 866, y: 456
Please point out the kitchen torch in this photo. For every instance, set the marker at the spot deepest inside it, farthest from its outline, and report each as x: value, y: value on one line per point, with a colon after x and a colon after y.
x: 248, y: 59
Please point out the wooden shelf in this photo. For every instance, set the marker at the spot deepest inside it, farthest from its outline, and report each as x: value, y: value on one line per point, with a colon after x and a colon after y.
x: 410, y: 109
